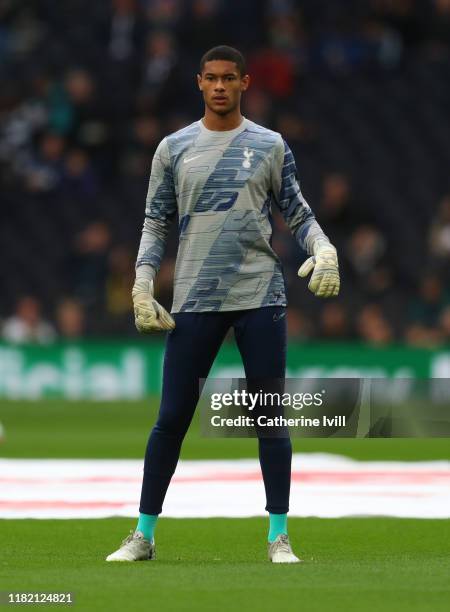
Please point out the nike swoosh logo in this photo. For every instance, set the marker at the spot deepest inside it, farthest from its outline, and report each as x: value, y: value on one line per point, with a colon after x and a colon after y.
x: 186, y: 160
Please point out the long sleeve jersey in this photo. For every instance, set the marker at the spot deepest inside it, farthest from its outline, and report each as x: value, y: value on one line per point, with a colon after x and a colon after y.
x: 223, y: 185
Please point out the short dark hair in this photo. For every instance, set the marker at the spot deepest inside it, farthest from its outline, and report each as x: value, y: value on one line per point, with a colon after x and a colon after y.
x: 223, y: 52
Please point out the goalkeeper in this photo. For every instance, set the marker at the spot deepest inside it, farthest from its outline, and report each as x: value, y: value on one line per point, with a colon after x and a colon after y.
x: 222, y: 175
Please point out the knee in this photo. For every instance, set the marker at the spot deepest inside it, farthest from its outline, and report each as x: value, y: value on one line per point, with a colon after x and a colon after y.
x: 170, y: 428
x: 275, y: 445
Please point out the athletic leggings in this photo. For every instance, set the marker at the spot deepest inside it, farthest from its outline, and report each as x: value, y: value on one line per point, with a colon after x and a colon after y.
x: 190, y: 352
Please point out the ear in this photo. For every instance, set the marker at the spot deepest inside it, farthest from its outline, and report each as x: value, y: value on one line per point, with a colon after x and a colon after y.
x: 199, y: 82
x: 245, y: 82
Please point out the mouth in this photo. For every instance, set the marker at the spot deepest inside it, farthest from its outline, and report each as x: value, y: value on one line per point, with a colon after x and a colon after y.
x: 220, y: 99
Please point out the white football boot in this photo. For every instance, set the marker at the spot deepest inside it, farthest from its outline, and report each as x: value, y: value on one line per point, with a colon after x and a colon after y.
x: 134, y: 548
x: 280, y: 551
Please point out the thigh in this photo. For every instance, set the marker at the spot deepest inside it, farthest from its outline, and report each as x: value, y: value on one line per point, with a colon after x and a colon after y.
x: 190, y: 352
x: 261, y: 338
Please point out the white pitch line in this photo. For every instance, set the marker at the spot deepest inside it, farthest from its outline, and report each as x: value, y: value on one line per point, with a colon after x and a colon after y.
x: 322, y: 485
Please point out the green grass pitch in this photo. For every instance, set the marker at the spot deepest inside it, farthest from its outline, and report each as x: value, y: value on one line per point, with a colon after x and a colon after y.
x: 112, y: 430
x: 215, y: 564
x: 220, y: 564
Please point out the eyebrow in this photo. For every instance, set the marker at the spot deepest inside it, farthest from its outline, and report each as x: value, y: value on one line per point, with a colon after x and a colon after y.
x: 226, y: 74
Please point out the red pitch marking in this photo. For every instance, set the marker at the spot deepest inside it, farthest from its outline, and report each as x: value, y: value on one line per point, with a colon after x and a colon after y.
x: 319, y: 477
x: 42, y: 504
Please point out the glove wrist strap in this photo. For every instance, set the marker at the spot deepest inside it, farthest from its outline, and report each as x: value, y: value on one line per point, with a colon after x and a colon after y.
x: 322, y: 244
x: 145, y: 272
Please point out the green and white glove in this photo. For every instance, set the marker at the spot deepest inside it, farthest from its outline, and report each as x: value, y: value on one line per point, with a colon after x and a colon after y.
x: 149, y: 316
x: 325, y: 281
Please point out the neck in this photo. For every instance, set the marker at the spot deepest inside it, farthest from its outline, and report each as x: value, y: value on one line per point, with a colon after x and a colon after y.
x: 221, y: 123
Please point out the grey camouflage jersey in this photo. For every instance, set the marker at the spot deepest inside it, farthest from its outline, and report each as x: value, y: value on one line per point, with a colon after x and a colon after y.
x: 223, y: 186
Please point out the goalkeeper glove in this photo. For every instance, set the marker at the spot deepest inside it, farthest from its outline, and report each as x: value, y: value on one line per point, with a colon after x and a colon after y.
x: 325, y: 280
x: 148, y: 314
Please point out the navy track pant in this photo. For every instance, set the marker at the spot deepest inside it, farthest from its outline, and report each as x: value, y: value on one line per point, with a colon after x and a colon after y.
x: 190, y: 352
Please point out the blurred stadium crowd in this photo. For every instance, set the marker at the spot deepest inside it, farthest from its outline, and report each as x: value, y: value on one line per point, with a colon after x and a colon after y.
x: 360, y: 89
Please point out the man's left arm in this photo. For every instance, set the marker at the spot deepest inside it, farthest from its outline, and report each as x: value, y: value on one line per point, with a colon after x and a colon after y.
x: 299, y: 217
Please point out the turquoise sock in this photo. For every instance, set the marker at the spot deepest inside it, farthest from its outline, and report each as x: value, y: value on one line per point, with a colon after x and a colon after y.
x: 146, y: 524
x: 278, y: 524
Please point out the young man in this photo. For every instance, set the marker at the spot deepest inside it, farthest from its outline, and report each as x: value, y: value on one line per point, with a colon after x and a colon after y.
x: 222, y: 175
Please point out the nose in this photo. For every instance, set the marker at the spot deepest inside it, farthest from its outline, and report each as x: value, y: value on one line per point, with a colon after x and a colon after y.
x: 219, y: 85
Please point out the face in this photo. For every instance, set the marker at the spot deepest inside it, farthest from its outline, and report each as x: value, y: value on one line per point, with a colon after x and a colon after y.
x: 222, y: 86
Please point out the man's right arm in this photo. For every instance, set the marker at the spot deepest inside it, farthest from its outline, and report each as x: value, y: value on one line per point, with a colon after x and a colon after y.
x: 160, y: 210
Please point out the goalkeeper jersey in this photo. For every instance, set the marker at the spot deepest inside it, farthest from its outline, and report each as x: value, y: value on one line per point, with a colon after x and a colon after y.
x: 223, y: 185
